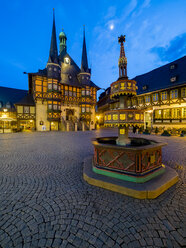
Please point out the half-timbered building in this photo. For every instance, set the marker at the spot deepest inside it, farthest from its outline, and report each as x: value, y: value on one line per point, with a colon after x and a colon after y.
x: 161, y: 94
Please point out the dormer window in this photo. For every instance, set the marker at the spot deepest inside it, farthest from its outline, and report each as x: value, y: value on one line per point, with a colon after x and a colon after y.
x: 145, y: 87
x: 55, y: 69
x: 87, y: 78
x: 172, y: 67
x: 173, y: 79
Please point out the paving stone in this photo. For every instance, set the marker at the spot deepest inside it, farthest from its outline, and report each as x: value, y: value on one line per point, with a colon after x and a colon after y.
x: 45, y: 202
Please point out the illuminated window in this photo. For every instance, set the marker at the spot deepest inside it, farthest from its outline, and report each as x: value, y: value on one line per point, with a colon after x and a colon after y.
x: 142, y: 117
x: 109, y: 117
x: 49, y: 86
x: 122, y: 86
x: 55, y: 106
x: 155, y: 97
x: 55, y: 86
x: 66, y: 92
x: 184, y: 113
x: 166, y: 113
x: 164, y: 95
x: 26, y: 109
x: 140, y: 100
x: 147, y: 99
x: 83, y: 92
x: 158, y: 114
x: 137, y: 116
x: 49, y: 106
x: 183, y: 92
x: 175, y: 113
x: 115, y: 117
x: 174, y: 94
x: 19, y: 109
x: 105, y: 117
x: 122, y: 117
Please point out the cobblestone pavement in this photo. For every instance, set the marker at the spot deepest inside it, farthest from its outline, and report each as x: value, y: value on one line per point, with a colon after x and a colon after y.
x: 44, y: 201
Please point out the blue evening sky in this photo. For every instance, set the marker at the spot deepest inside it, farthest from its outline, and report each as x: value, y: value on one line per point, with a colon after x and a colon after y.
x: 155, y: 35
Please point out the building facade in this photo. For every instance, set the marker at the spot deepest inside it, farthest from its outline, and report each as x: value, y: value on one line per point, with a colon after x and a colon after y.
x: 161, y: 94
x: 61, y: 96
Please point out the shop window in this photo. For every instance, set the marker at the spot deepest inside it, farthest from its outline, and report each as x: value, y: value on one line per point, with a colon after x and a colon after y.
x: 158, y: 114
x: 175, y: 113
x: 174, y: 94
x: 166, y: 113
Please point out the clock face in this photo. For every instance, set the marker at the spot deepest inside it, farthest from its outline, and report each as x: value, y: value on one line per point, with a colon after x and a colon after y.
x: 67, y: 61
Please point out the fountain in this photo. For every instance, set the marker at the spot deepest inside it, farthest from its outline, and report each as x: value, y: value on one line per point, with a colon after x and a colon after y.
x: 131, y: 166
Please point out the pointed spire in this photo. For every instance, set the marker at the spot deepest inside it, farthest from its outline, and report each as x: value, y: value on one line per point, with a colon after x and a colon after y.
x: 84, y: 60
x: 122, y: 63
x: 53, y: 55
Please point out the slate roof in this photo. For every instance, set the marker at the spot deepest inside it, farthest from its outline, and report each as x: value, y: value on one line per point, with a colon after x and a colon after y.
x: 11, y: 95
x: 53, y: 55
x: 26, y: 100
x: 159, y: 78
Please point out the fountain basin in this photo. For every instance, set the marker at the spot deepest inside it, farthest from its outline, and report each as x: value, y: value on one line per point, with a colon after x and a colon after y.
x: 140, y: 161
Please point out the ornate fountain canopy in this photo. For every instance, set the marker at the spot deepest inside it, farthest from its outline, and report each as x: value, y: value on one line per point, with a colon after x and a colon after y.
x: 123, y: 86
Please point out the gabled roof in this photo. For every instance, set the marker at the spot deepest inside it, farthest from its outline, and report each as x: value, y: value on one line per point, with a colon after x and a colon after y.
x: 160, y: 78
x: 11, y: 95
x: 27, y: 100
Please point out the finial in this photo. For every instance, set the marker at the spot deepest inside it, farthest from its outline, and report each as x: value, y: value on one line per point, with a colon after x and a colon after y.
x: 121, y: 39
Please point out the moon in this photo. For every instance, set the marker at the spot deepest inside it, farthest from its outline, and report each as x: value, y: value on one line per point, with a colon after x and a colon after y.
x: 111, y: 26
